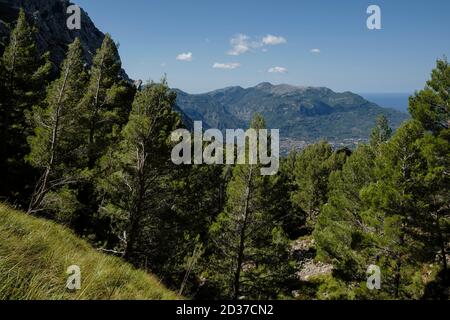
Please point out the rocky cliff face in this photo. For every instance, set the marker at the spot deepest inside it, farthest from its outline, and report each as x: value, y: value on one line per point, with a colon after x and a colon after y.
x: 51, y: 19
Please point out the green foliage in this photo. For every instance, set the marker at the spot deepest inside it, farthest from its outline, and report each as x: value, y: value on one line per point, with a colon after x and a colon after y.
x: 138, y: 170
x: 313, y: 167
x: 396, y: 208
x: 308, y: 114
x: 431, y: 105
x: 104, y: 107
x: 379, y: 212
x: 23, y: 76
x: 331, y: 288
x: 250, y: 249
x: 215, y: 231
x: 102, y: 113
x: 381, y: 133
x: 56, y: 146
x: 383, y: 210
x: 339, y: 232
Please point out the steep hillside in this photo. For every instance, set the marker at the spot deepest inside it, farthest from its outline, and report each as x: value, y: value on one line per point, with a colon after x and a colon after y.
x: 35, y: 254
x: 305, y: 113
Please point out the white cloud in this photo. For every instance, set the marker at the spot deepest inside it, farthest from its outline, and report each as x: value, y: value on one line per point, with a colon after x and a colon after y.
x: 240, y: 44
x: 316, y: 50
x: 185, y: 56
x: 226, y: 66
x: 278, y: 70
x: 272, y: 40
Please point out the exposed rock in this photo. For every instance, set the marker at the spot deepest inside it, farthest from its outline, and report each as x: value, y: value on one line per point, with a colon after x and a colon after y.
x: 4, y: 31
x: 310, y: 268
x: 50, y: 17
x: 304, y: 251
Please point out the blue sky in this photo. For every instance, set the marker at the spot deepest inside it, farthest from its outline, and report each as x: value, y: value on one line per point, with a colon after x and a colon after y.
x: 398, y: 58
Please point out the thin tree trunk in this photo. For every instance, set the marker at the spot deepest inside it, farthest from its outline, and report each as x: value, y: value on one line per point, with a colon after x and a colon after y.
x: 136, y: 214
x: 237, y: 274
x: 398, y: 267
x: 442, y: 245
x: 91, y: 160
x: 42, y: 187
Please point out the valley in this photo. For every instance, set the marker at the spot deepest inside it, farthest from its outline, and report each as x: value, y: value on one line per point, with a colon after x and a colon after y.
x: 304, y: 115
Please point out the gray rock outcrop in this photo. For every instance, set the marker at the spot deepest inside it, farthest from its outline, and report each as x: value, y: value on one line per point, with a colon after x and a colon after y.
x: 50, y: 17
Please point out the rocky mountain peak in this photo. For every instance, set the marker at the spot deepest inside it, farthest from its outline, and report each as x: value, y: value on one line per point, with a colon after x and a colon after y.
x: 50, y: 17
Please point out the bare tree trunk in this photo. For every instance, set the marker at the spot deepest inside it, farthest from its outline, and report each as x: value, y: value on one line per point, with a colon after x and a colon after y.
x: 42, y: 185
x: 136, y: 214
x: 398, y: 267
x: 91, y: 160
x: 245, y: 213
x: 442, y: 245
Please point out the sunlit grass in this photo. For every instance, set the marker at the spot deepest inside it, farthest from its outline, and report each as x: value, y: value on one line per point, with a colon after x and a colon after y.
x: 35, y: 254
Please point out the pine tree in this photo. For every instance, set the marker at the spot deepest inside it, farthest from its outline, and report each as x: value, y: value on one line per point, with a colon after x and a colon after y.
x: 138, y: 173
x: 340, y: 231
x: 375, y: 216
x: 104, y: 108
x: 23, y: 75
x: 381, y: 133
x: 435, y: 180
x: 56, y: 146
x: 388, y: 206
x: 313, y: 167
x: 103, y: 112
x: 431, y: 106
x: 251, y: 250
x: 195, y: 202
x: 397, y: 211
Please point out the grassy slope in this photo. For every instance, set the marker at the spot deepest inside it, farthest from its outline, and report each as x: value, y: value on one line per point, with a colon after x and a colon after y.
x: 35, y: 254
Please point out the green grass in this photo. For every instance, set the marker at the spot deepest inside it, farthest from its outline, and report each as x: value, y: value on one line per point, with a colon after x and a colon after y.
x: 35, y: 254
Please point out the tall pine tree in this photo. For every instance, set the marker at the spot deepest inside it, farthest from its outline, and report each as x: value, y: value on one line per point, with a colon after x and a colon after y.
x: 431, y: 107
x: 105, y: 105
x: 56, y: 143
x: 138, y: 173
x: 313, y: 167
x: 251, y: 257
x: 23, y: 75
x: 381, y: 133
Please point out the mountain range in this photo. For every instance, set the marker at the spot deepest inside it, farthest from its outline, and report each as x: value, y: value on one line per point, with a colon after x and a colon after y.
x: 303, y: 114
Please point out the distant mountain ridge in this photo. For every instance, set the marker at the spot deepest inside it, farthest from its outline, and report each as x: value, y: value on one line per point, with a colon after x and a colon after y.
x: 301, y: 113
